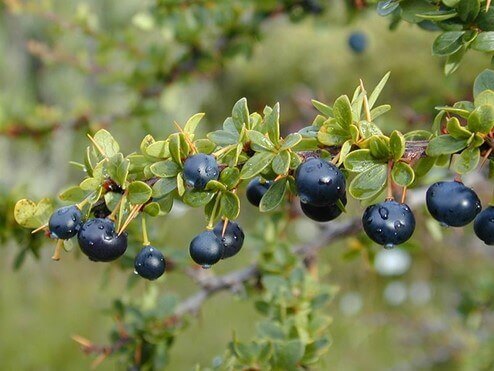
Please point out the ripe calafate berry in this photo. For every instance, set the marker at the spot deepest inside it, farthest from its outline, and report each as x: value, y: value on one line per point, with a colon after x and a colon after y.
x: 322, y: 213
x: 232, y: 240
x: 452, y: 203
x: 256, y: 189
x: 484, y: 225
x: 358, y: 42
x: 388, y: 223
x: 206, y: 249
x: 199, y: 170
x: 65, y: 222
x: 149, y: 263
x: 99, y: 240
x: 319, y: 182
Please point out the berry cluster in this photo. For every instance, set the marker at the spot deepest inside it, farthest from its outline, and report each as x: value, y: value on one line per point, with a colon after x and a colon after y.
x: 100, y: 242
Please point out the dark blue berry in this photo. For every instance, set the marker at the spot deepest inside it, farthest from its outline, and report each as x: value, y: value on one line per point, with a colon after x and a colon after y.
x: 323, y: 213
x: 452, y: 203
x: 65, y: 222
x: 256, y: 189
x: 99, y: 240
x: 206, y: 249
x: 484, y: 225
x: 319, y: 182
x: 388, y: 223
x: 149, y: 263
x: 199, y: 170
x: 358, y: 42
x: 232, y: 239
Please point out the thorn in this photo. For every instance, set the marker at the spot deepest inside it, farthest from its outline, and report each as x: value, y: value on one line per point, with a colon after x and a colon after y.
x: 366, y: 102
x: 225, y: 223
x: 40, y: 228
x: 404, y: 195
x: 98, y: 360
x: 486, y: 156
x: 487, y: 6
x: 96, y: 145
x: 187, y: 139
x: 58, y: 250
x: 82, y: 341
x: 132, y: 215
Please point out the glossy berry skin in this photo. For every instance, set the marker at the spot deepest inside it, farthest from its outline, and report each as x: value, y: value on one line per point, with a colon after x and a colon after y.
x: 99, y: 240
x: 199, y: 170
x: 452, y: 203
x: 358, y: 42
x: 149, y: 263
x: 322, y: 213
x: 319, y: 182
x: 388, y: 223
x: 484, y: 225
x: 206, y: 249
x: 256, y: 189
x: 232, y: 240
x: 65, y: 222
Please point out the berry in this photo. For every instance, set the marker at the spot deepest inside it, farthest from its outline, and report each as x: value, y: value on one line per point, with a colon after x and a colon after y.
x: 358, y: 42
x: 232, y: 240
x: 256, y: 189
x: 319, y: 182
x: 322, y: 213
x: 388, y: 223
x: 199, y: 170
x: 206, y: 249
x: 484, y: 225
x: 65, y: 222
x: 99, y: 240
x: 452, y: 203
x: 149, y: 263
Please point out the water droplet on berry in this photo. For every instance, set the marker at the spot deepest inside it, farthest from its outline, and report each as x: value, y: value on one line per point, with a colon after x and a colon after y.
x: 443, y: 224
x: 398, y: 224
x: 135, y: 272
x: 206, y: 266
x: 101, y: 227
x: 389, y: 246
x: 384, y: 212
x: 379, y: 230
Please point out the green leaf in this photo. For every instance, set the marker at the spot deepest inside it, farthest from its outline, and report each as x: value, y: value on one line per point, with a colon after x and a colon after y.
x: 379, y: 111
x: 197, y: 198
x: 31, y: 215
x: 290, y: 141
x: 272, y: 124
x: 174, y: 146
x: 447, y: 43
x: 368, y: 129
x: 323, y: 108
x: 359, y: 160
x: 230, y: 205
x: 288, y: 354
x: 73, y: 194
x: 223, y: 137
x: 139, y: 192
x: 453, y: 61
x: 165, y: 169
x: 484, y: 42
x: 274, y: 196
x: 342, y: 110
x: 192, y: 122
x: 214, y: 185
x: 369, y: 183
x: 260, y: 141
x: 424, y: 165
x: 180, y: 184
x: 445, y: 145
x: 402, y: 174
x: 485, y: 97
x: 90, y: 184
x: 117, y: 168
x: 468, y: 9
x: 159, y: 149
x: 106, y: 142
x: 281, y: 163
x: 270, y: 330
x: 456, y: 130
x: 230, y: 177
x: 204, y: 146
x: 466, y: 161
x: 240, y: 114
x: 377, y: 90
x: 397, y: 144
x: 481, y: 120
x: 164, y: 186
x: 484, y: 81
x: 379, y: 147
x: 112, y: 200
x: 332, y: 134
x: 152, y: 209
x: 256, y: 164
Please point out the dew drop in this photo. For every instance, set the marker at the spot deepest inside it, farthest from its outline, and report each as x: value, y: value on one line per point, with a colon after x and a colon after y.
x: 491, y: 220
x: 135, y: 272
x: 389, y: 246
x: 398, y: 224
x: 384, y: 212
x: 379, y: 230
x: 206, y: 266
x: 101, y: 227
x: 443, y: 224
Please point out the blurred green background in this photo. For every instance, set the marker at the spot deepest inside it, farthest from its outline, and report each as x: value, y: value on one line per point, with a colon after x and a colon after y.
x: 383, y: 319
